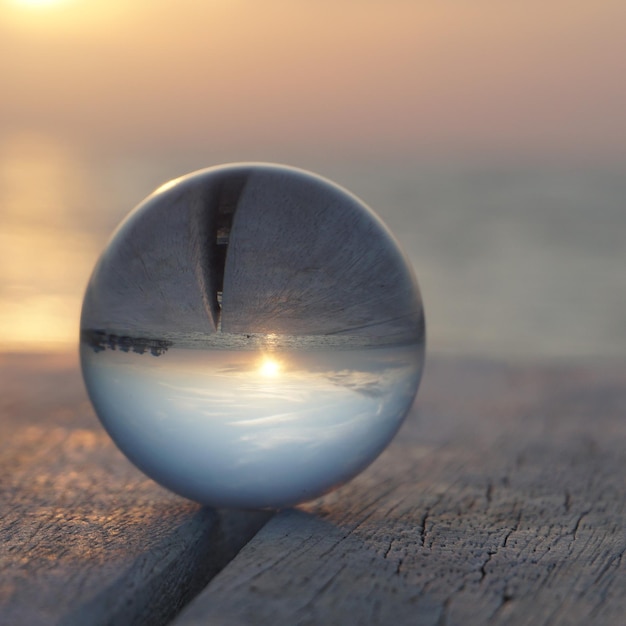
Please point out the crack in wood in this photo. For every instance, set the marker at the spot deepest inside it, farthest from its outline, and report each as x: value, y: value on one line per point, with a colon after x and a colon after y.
x: 579, y: 519
x: 567, y: 503
x: 515, y: 528
x: 483, y: 567
x: 423, y: 528
x: 489, y: 492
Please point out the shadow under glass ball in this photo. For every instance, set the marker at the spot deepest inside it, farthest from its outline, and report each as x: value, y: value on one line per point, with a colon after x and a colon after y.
x: 252, y: 336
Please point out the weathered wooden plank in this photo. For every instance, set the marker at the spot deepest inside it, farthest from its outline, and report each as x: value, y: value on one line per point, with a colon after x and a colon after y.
x: 84, y: 537
x: 500, y: 502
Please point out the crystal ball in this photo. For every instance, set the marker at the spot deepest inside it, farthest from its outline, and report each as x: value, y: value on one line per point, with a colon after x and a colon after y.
x: 252, y: 336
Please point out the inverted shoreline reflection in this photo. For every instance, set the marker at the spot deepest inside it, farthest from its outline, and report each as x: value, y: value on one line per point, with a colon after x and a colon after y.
x: 241, y: 428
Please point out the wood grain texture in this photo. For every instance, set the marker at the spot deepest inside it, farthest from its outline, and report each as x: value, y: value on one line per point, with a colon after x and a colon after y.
x: 501, y: 501
x: 85, y: 538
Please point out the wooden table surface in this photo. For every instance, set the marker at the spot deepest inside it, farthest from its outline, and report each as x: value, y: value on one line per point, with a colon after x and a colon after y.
x: 501, y: 501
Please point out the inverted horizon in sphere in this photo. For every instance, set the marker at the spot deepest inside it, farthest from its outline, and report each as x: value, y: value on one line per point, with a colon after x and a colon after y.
x: 257, y: 249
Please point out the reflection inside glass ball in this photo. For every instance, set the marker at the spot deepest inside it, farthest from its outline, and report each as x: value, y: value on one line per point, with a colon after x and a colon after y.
x: 269, y: 367
x: 252, y: 336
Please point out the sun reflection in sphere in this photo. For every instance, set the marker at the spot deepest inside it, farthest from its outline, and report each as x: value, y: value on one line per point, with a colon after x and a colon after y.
x: 269, y: 367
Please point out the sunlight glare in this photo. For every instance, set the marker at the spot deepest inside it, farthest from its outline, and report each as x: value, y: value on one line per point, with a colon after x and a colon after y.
x: 37, y: 3
x: 269, y: 367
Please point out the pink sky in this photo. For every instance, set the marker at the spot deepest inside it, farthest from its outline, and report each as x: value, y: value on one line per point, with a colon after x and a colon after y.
x: 400, y: 77
x: 102, y: 100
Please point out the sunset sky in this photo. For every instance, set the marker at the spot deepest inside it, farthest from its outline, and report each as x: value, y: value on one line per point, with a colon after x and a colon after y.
x: 103, y: 100
x: 352, y: 76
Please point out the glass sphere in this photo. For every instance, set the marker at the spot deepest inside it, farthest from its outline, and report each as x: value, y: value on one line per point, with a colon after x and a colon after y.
x: 252, y: 336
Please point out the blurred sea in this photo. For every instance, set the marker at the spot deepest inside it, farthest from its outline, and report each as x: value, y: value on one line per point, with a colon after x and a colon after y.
x: 514, y: 261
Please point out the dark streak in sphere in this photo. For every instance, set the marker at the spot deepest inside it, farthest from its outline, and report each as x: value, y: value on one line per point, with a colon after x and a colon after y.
x: 249, y: 249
